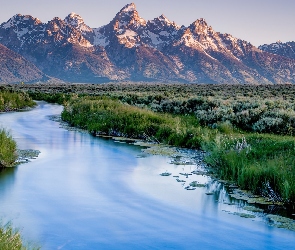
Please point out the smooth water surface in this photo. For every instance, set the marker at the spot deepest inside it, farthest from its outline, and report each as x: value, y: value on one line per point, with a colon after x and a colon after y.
x: 84, y: 192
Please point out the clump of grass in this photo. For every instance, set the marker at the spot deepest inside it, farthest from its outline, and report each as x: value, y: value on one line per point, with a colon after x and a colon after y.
x: 102, y: 115
x: 10, y: 239
x: 8, y: 154
x: 264, y: 164
x: 11, y: 100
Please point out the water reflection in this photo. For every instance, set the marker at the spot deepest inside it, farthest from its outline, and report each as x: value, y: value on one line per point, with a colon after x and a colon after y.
x: 7, y: 180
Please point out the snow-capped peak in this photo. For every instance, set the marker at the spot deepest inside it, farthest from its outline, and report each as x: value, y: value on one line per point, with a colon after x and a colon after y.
x: 128, y: 17
x: 74, y: 19
x: 77, y: 21
x: 129, y: 8
x: 18, y: 19
x: 164, y: 19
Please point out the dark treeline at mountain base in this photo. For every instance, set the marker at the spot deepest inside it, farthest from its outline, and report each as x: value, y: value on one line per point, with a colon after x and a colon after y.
x: 236, y: 124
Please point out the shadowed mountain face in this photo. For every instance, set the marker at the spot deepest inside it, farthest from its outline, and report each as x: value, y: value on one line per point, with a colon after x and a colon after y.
x: 131, y: 48
x: 279, y: 48
x: 15, y: 68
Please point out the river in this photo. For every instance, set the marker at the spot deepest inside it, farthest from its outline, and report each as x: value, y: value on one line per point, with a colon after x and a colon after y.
x: 84, y: 192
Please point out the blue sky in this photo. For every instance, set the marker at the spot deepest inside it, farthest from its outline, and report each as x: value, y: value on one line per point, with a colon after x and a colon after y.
x: 256, y: 21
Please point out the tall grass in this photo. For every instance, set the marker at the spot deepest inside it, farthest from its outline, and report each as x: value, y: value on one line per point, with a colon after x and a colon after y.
x: 102, y: 115
x: 264, y: 164
x: 7, y: 149
x: 10, y: 239
x: 10, y: 100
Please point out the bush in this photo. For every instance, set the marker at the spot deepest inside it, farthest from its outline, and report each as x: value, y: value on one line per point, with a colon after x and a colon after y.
x: 7, y: 149
x: 10, y: 100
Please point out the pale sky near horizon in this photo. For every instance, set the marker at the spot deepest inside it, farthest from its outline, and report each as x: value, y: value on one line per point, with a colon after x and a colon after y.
x: 256, y: 21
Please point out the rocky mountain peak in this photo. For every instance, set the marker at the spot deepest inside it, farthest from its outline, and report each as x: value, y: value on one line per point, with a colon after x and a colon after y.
x: 76, y: 21
x: 164, y: 19
x: 128, y: 17
x: 129, y: 8
x: 200, y: 26
x: 21, y: 20
x: 128, y: 47
x: 280, y: 48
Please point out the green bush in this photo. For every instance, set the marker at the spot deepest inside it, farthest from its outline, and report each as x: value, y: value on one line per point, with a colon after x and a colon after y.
x: 7, y: 149
x: 10, y: 100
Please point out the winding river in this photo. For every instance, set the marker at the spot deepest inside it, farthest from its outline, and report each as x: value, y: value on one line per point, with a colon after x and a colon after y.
x: 84, y: 192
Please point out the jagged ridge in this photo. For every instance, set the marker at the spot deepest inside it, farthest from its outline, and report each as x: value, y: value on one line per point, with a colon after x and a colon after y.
x: 131, y: 48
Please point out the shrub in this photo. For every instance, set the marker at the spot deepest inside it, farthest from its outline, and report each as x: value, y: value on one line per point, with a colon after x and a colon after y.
x: 7, y: 149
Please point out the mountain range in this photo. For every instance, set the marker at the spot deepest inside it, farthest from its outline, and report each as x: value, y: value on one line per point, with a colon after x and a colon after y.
x: 131, y: 48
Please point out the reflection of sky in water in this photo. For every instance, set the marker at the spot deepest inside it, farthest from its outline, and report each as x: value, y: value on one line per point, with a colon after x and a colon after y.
x: 89, y: 193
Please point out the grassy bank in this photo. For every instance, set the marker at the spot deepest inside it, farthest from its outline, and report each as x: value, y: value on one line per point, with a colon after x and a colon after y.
x: 264, y: 164
x: 106, y: 116
x: 261, y: 163
x: 10, y: 100
x: 7, y: 149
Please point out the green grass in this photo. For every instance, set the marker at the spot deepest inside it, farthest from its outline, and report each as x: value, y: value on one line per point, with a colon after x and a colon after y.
x: 264, y: 164
x: 10, y: 239
x: 7, y: 149
x: 10, y: 100
x: 105, y: 116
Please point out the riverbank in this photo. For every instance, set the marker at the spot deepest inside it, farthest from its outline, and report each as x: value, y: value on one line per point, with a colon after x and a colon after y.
x: 221, y: 119
x: 101, y: 179
x: 10, y: 238
x: 260, y: 163
x: 11, y: 101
